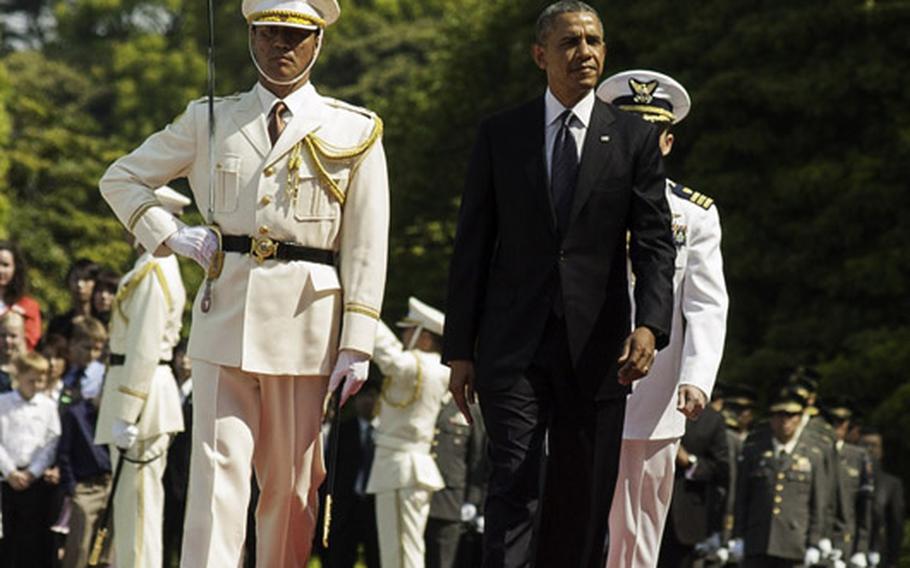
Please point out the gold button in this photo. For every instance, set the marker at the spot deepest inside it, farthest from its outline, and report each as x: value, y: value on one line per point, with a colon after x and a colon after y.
x: 780, y: 476
x: 265, y: 200
x: 433, y: 455
x: 435, y: 443
x: 779, y: 487
x: 264, y: 230
x: 776, y: 511
x: 778, y: 499
x: 269, y: 171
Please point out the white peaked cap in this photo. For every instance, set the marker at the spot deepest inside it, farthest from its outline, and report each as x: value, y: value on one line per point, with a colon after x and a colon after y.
x: 304, y: 14
x: 655, y: 96
x: 422, y: 315
x: 171, y: 200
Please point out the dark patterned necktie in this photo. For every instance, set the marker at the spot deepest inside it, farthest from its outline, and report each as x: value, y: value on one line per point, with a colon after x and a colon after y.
x: 564, y: 170
x: 276, y: 121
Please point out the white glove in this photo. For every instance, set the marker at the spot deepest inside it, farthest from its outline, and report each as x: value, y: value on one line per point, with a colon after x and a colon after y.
x: 825, y: 547
x: 124, y: 434
x: 874, y: 558
x: 813, y: 556
x: 722, y: 555
x: 836, y: 554
x: 353, y: 366
x: 468, y: 512
x: 737, y: 550
x: 838, y: 564
x: 859, y: 560
x: 478, y: 524
x: 197, y: 243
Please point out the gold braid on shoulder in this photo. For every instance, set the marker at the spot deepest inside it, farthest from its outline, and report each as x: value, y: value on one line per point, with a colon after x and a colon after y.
x: 321, y: 151
x: 415, y: 394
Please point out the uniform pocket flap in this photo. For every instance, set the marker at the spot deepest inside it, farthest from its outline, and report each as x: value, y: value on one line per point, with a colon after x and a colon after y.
x: 324, y: 278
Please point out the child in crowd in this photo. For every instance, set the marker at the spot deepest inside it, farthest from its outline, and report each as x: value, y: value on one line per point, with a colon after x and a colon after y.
x: 85, y: 471
x: 86, y: 349
x: 13, y: 292
x: 29, y: 432
x: 12, y: 343
x: 55, y: 349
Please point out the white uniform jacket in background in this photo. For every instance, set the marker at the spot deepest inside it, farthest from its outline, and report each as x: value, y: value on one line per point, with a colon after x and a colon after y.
x: 699, y: 321
x: 415, y: 384
x: 278, y: 317
x: 145, y: 328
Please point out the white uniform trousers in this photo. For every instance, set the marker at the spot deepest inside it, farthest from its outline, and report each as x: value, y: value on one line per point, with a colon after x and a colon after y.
x: 139, y: 503
x: 641, y: 501
x: 241, y: 421
x: 401, y: 520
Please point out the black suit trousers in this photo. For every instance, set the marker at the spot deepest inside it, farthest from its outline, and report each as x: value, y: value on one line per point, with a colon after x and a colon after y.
x: 549, y: 512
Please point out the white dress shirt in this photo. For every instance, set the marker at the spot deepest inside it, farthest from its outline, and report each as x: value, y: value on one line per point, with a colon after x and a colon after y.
x: 784, y: 448
x: 579, y: 128
x: 29, y: 431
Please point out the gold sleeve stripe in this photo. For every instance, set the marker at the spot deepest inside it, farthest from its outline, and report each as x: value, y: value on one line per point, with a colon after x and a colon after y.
x: 139, y: 212
x: 130, y: 392
x: 362, y: 309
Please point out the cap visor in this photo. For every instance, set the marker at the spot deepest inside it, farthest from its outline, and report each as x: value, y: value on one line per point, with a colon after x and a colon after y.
x: 288, y: 25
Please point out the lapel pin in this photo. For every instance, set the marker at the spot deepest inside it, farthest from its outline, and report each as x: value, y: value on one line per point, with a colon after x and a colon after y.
x: 605, y: 139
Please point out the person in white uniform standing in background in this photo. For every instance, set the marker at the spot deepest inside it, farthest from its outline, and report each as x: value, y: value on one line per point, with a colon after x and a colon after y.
x: 404, y: 474
x: 682, y: 377
x: 140, y: 404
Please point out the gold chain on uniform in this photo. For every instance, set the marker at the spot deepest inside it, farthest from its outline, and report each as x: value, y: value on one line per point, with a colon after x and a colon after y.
x: 319, y: 150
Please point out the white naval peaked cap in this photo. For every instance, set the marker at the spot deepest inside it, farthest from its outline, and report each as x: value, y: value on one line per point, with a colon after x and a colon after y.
x: 655, y: 96
x: 303, y: 14
x: 422, y: 315
x: 171, y: 200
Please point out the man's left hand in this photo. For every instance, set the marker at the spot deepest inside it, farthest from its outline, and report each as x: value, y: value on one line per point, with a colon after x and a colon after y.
x: 52, y: 475
x: 353, y: 366
x: 637, y: 356
x: 691, y: 401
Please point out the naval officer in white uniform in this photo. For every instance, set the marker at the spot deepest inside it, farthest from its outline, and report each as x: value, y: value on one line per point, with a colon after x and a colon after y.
x: 683, y: 375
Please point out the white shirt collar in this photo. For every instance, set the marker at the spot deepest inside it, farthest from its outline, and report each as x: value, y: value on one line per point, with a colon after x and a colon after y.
x: 788, y: 447
x: 554, y: 108
x: 296, y: 101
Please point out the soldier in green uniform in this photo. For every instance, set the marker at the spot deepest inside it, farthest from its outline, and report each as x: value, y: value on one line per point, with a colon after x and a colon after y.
x: 855, y: 488
x: 459, y: 449
x: 779, y: 497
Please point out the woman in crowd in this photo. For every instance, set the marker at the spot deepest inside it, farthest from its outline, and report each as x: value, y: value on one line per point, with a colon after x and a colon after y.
x: 13, y: 288
x: 80, y: 280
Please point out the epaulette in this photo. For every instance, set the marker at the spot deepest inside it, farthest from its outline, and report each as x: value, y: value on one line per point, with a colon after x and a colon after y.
x: 691, y: 195
x: 127, y: 289
x: 218, y: 99
x: 339, y: 104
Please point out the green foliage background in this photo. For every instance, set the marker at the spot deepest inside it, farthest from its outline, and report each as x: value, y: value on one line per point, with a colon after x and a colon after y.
x: 800, y: 130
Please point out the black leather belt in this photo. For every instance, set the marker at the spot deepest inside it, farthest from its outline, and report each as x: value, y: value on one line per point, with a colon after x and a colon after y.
x: 117, y: 360
x: 262, y: 248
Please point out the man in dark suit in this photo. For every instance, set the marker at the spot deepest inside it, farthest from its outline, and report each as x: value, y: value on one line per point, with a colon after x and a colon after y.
x: 353, y: 515
x: 539, y: 316
x: 887, y: 532
x: 701, y: 479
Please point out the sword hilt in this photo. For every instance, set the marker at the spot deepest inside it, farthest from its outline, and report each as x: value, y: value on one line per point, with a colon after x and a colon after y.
x: 98, y: 546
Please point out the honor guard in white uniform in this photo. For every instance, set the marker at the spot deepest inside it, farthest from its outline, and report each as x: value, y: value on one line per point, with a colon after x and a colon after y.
x: 140, y: 404
x: 683, y: 374
x: 296, y: 197
x: 404, y: 474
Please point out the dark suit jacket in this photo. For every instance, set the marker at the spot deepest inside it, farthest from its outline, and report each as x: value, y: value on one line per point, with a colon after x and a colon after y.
x: 887, y: 517
x: 511, y: 261
x: 696, y: 510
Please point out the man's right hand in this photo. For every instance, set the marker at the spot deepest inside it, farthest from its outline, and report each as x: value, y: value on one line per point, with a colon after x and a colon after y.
x: 197, y: 243
x: 461, y: 385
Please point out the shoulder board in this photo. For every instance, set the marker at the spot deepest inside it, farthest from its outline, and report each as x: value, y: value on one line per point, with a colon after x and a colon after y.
x: 691, y: 195
x: 365, y: 112
x: 127, y: 289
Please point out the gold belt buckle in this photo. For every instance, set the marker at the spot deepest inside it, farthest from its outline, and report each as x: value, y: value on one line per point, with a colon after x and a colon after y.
x: 263, y: 248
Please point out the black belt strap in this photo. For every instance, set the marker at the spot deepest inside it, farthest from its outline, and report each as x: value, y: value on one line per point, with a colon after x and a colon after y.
x: 117, y: 360
x: 282, y: 251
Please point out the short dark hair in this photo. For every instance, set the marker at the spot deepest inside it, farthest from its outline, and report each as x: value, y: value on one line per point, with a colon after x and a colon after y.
x: 550, y: 13
x: 82, y: 269
x: 18, y: 286
x: 107, y: 279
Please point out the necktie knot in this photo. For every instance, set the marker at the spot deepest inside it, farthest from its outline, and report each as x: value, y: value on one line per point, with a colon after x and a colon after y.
x: 567, y: 118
